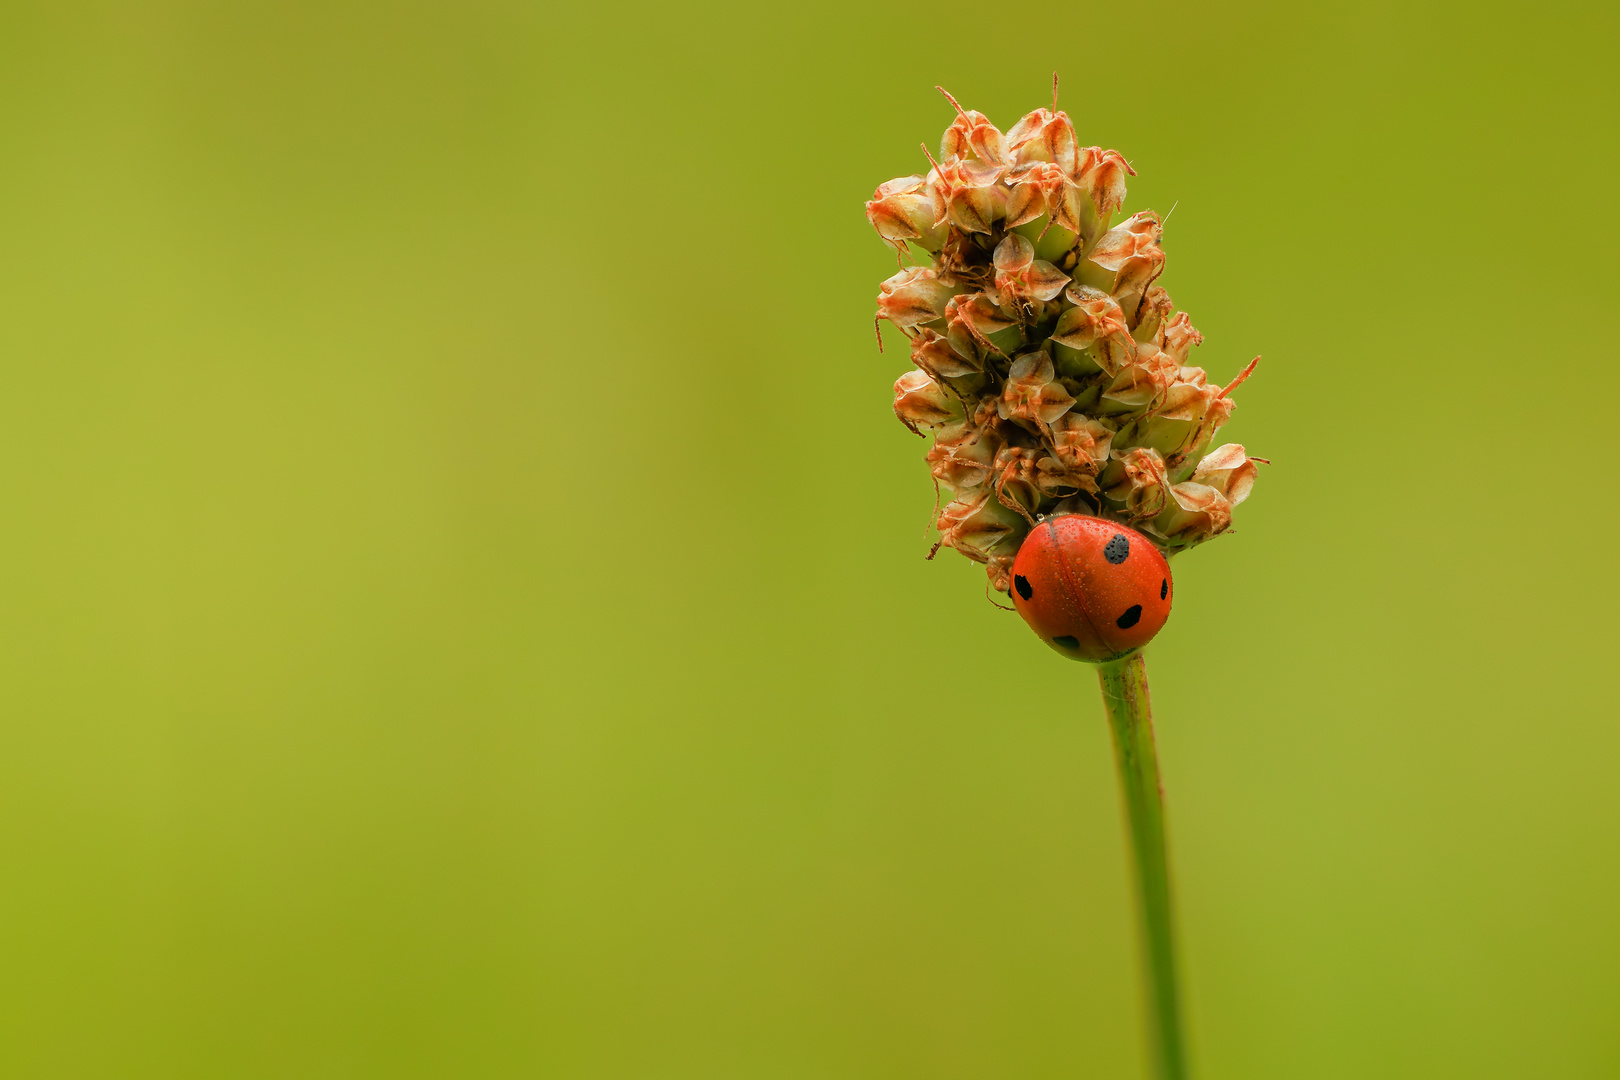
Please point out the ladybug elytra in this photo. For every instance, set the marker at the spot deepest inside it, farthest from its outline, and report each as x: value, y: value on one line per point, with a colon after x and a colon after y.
x: 1092, y: 589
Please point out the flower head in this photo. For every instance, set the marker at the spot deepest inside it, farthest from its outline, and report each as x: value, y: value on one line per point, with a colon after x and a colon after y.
x: 1050, y: 366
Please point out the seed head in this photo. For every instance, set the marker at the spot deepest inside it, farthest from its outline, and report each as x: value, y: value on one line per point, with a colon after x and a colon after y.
x: 1050, y: 367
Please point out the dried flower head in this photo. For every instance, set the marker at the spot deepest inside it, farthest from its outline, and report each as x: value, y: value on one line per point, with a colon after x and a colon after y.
x: 1050, y: 367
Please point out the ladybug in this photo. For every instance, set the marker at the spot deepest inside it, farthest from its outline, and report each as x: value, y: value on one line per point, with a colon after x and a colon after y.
x: 1092, y: 589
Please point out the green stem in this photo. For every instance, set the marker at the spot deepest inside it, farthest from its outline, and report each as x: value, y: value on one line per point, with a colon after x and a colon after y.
x: 1125, y: 697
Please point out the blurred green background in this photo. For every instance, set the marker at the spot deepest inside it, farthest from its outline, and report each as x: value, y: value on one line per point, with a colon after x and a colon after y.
x: 462, y: 599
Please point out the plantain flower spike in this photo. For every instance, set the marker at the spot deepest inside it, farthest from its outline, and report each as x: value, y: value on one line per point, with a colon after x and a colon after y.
x: 1050, y: 367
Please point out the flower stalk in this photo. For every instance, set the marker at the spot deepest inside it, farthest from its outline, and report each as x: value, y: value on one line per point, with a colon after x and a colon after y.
x: 1051, y: 373
x: 1130, y: 716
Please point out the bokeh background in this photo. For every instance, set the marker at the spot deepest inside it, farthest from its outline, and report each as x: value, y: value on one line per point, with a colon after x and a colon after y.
x: 462, y: 599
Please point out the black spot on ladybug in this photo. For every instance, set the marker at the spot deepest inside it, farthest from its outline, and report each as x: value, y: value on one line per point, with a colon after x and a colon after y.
x: 1067, y: 641
x: 1164, y: 588
x: 1129, y: 619
x: 1118, y: 549
x: 1021, y: 583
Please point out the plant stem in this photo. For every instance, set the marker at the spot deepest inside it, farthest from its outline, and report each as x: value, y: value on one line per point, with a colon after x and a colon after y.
x: 1125, y: 697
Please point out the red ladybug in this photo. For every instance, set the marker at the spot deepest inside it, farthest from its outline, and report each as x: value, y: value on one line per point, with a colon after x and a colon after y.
x: 1092, y: 589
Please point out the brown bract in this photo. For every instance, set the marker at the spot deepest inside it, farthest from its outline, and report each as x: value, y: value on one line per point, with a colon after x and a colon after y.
x: 1134, y: 484
x: 931, y: 351
x: 1050, y: 367
x: 1102, y: 174
x: 1229, y: 470
x: 980, y: 527
x: 1142, y: 386
x: 914, y: 296
x: 1194, y: 513
x: 969, y: 196
x: 971, y: 320
x: 1081, y: 444
x: 963, y: 456
x: 1040, y: 187
x: 972, y: 135
x: 1027, y: 475
x: 1032, y: 392
x: 1152, y: 313
x: 1178, y: 337
x: 1046, y: 136
x: 1020, y: 275
x: 1126, y: 259
x: 1094, y: 325
x: 904, y: 209
x: 920, y: 402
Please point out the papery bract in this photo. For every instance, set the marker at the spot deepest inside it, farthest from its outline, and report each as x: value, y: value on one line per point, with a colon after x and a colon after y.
x: 914, y: 296
x: 1102, y: 174
x: 1126, y: 259
x: 980, y: 527
x: 963, y: 456
x: 1020, y: 274
x: 973, y: 321
x: 1194, y: 513
x: 1094, y: 325
x: 1032, y: 391
x: 1229, y: 470
x: 969, y: 195
x: 920, y: 402
x: 1134, y: 482
x: 904, y: 209
x: 972, y: 135
x: 1081, y: 443
x: 931, y: 351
